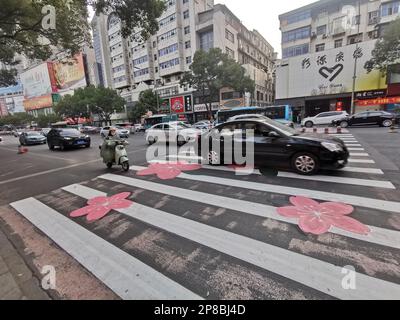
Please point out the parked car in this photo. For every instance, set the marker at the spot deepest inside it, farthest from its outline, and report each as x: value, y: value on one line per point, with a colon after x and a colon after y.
x: 138, y: 127
x: 261, y: 117
x: 277, y: 145
x: 324, y: 118
x: 90, y: 130
x: 67, y: 138
x: 31, y: 137
x: 122, y: 132
x: 45, y: 131
x: 203, y: 125
x: 172, y: 131
x: 381, y: 118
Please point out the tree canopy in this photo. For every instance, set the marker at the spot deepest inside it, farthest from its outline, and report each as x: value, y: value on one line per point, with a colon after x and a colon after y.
x: 147, y: 102
x: 387, y: 49
x: 33, y: 29
x: 213, y: 70
x: 17, y: 119
x: 103, y: 102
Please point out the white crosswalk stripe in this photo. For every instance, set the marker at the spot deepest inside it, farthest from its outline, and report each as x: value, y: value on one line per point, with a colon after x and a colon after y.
x: 132, y: 276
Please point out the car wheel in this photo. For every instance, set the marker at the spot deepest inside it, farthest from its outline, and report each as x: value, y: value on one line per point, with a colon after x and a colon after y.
x: 214, y: 158
x: 62, y: 147
x: 309, y: 124
x: 88, y: 145
x: 387, y: 123
x: 109, y: 165
x: 151, y: 140
x: 305, y: 163
x: 344, y: 124
x: 51, y: 147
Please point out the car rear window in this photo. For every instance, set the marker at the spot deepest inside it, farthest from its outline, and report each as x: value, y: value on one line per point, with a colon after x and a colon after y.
x: 69, y: 132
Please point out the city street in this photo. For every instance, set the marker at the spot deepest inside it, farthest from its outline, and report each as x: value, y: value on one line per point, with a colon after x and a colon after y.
x: 206, y: 233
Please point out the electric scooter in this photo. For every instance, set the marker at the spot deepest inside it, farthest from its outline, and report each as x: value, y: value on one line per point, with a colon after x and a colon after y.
x: 113, y: 152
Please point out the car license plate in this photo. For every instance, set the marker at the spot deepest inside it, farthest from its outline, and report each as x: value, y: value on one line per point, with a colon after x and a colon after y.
x: 80, y: 142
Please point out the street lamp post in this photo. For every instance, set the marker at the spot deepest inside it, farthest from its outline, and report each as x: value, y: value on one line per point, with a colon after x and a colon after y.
x: 353, y: 91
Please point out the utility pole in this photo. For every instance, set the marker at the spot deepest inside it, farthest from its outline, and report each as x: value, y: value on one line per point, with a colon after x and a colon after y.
x: 353, y: 92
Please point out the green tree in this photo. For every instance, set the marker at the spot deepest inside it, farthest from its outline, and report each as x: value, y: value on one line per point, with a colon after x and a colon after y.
x: 213, y: 70
x: 100, y: 101
x: 17, y: 119
x: 387, y: 49
x: 26, y: 30
x: 147, y: 102
x: 44, y: 121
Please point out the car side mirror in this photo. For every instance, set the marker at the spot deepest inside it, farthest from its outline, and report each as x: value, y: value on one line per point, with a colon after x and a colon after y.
x: 273, y: 134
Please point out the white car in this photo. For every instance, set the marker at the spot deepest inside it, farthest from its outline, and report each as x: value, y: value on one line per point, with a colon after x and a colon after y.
x: 170, y: 132
x: 324, y: 118
x: 121, y: 132
x: 203, y: 125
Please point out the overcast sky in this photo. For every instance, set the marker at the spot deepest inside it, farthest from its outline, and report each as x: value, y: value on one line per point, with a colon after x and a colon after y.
x: 262, y: 15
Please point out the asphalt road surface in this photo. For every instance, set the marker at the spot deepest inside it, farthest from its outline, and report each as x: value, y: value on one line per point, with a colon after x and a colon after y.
x: 212, y: 233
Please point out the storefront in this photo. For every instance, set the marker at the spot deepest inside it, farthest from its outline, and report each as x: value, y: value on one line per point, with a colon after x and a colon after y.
x: 201, y: 113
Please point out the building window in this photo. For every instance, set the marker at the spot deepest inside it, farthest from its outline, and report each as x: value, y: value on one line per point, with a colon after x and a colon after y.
x: 373, y: 17
x: 185, y: 1
x: 320, y: 47
x: 170, y: 49
x: 297, y: 34
x: 229, y: 36
x: 166, y: 21
x: 140, y: 60
x: 321, y: 30
x: 188, y: 60
x: 295, y: 51
x: 187, y: 44
x: 186, y: 14
x: 141, y: 72
x: 166, y: 36
x: 170, y: 3
x: 187, y: 30
x: 230, y: 53
x: 169, y: 64
x: 338, y: 25
x: 293, y: 18
x: 338, y: 43
x: 356, y: 20
x: 389, y: 9
x: 354, y: 39
x: 207, y: 40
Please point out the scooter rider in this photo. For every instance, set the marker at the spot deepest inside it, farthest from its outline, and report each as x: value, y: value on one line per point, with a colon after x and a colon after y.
x: 113, y: 150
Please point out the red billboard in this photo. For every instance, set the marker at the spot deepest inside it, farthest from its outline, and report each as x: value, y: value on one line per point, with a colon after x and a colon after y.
x: 373, y: 102
x: 177, y: 105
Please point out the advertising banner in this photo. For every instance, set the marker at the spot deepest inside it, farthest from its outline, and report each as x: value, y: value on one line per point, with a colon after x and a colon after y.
x: 36, y: 81
x: 164, y: 106
x: 375, y: 102
x: 203, y: 108
x: 3, y: 107
x: 38, y: 102
x: 69, y: 74
x: 328, y: 72
x: 177, y: 105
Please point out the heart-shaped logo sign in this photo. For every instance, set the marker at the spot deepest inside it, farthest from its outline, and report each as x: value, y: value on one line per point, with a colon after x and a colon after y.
x: 331, y: 73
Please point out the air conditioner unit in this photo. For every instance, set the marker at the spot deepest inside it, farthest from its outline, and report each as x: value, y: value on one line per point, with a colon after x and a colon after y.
x: 324, y: 36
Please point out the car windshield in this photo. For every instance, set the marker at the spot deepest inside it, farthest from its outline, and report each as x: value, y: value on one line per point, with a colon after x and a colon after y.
x: 31, y: 134
x: 69, y: 132
x: 281, y: 127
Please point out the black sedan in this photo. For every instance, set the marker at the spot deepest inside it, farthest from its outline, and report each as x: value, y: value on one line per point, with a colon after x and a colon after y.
x: 380, y: 118
x: 274, y: 144
x: 67, y: 138
x: 31, y: 137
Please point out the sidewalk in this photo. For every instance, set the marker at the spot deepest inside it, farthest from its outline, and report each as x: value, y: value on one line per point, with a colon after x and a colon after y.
x: 16, y: 280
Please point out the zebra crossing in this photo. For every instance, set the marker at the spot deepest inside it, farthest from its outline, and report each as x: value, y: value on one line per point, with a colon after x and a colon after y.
x: 212, y: 233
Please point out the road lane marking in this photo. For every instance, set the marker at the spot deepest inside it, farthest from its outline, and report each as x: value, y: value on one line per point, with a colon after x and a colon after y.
x: 360, y: 161
x: 356, y: 149
x: 353, y: 145
x: 380, y: 236
x: 356, y: 154
x: 362, y: 170
x: 341, y: 180
x: 127, y: 276
x: 319, y: 275
x: 371, y: 203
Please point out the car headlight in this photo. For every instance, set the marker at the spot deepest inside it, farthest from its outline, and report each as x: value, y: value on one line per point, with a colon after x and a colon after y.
x: 67, y: 138
x: 332, y: 146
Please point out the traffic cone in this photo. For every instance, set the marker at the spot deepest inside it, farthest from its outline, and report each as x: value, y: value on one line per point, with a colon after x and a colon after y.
x: 315, y: 130
x: 22, y: 150
x: 326, y: 130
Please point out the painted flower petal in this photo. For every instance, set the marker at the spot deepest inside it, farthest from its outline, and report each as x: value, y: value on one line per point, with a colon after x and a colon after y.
x: 97, y: 213
x: 350, y: 224
x: 304, y: 202
x: 184, y: 166
x: 81, y: 212
x: 120, y: 204
x: 290, y: 212
x: 98, y: 201
x: 146, y: 172
x: 168, y: 173
x: 120, y: 196
x: 314, y: 225
x: 336, y: 208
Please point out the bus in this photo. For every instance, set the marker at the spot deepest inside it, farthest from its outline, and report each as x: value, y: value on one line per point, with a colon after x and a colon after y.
x: 283, y: 113
x: 159, y: 118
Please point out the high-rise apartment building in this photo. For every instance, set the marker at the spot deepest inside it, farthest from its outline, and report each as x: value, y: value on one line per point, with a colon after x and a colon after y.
x: 131, y: 65
x: 322, y: 44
